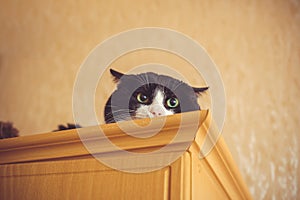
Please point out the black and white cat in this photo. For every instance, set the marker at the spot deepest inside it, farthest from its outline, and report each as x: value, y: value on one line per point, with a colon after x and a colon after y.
x: 145, y: 95
x: 149, y: 95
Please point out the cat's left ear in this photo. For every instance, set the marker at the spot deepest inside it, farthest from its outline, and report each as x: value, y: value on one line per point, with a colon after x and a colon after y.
x: 200, y: 90
x: 117, y: 75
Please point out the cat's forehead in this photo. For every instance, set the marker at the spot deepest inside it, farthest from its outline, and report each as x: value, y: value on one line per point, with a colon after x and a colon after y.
x: 150, y: 81
x: 151, y: 78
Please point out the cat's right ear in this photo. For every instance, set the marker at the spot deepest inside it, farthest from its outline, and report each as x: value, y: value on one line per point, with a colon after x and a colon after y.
x: 199, y: 90
x: 117, y: 75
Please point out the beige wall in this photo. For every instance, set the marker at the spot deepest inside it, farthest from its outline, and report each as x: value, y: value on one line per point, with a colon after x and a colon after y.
x: 256, y: 45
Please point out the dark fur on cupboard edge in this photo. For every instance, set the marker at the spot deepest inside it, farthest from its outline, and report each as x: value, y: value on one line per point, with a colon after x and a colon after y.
x: 7, y: 130
x: 62, y: 127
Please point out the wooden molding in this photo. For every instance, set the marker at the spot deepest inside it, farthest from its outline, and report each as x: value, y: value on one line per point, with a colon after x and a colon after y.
x: 68, y: 143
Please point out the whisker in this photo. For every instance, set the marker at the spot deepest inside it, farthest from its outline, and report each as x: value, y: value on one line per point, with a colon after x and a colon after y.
x: 119, y: 118
x: 180, y: 83
x: 121, y: 110
x: 114, y: 115
x: 141, y: 116
x: 140, y: 80
x: 147, y: 79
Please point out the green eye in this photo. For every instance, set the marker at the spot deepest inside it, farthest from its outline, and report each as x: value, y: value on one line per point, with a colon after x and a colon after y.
x: 142, y: 98
x: 172, y: 102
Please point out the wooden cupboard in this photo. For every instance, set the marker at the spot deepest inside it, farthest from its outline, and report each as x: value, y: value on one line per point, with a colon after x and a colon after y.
x: 58, y: 165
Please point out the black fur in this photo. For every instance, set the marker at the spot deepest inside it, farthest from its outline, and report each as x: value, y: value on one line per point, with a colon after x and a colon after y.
x: 123, y: 102
x: 69, y: 126
x: 7, y: 130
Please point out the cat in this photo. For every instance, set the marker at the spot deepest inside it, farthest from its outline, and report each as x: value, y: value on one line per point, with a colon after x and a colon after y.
x: 157, y: 95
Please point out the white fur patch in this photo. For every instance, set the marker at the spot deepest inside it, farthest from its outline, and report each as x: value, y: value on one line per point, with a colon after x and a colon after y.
x: 155, y: 109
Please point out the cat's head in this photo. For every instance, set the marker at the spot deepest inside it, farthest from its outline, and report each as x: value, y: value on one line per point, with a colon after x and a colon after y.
x: 149, y: 95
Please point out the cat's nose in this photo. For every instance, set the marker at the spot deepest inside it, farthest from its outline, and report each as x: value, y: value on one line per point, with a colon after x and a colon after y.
x: 156, y: 111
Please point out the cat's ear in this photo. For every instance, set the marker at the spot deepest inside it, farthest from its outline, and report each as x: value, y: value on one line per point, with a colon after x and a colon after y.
x: 200, y: 90
x: 117, y: 75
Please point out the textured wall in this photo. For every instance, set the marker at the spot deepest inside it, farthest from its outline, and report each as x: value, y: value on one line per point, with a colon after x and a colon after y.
x: 256, y: 45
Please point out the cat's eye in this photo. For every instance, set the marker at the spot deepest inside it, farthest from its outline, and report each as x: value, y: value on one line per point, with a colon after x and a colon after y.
x: 172, y: 102
x: 142, y: 98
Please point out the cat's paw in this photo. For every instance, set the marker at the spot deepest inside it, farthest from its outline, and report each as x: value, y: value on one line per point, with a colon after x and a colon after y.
x: 62, y: 127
